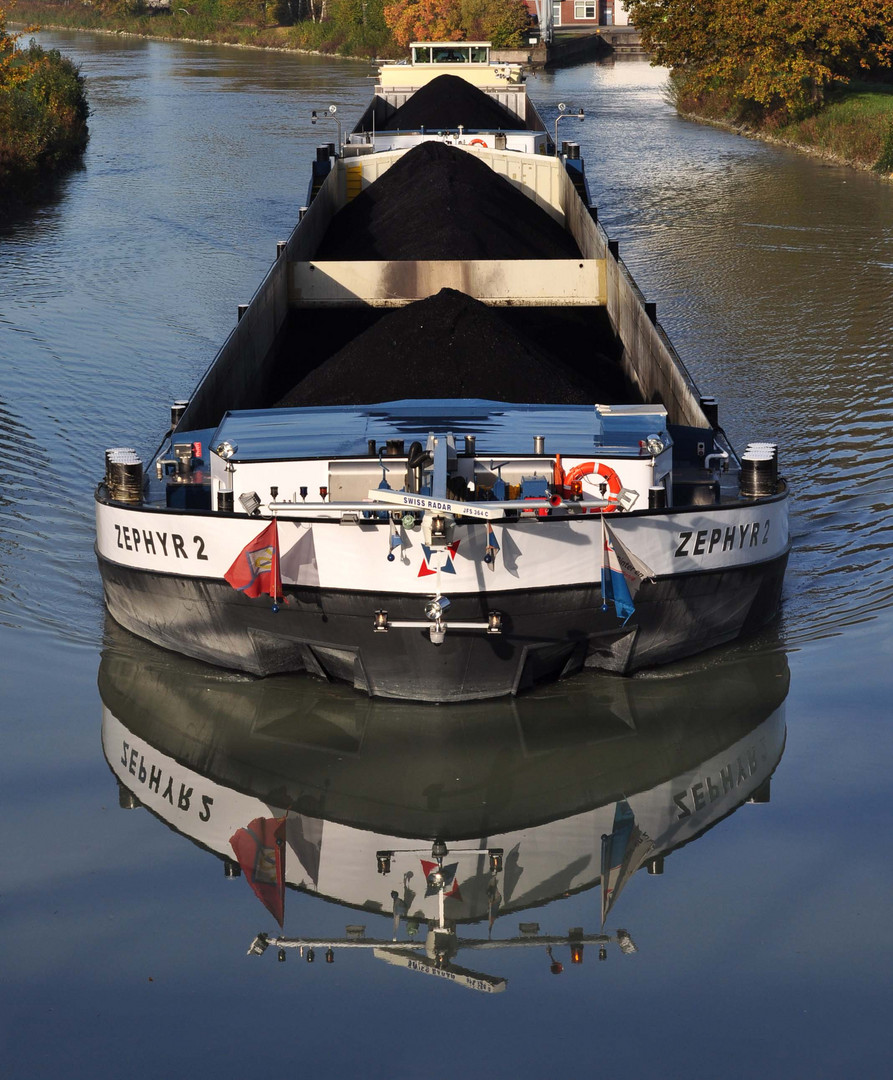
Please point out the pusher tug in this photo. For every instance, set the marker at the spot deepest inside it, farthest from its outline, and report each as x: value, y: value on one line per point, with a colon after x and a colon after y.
x: 447, y: 450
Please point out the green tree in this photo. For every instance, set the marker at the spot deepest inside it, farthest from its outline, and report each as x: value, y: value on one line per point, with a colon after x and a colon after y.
x: 368, y: 14
x: 43, y: 110
x: 502, y: 22
x: 765, y: 55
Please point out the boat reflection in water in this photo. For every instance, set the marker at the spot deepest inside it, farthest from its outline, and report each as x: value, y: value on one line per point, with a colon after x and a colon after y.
x: 440, y: 820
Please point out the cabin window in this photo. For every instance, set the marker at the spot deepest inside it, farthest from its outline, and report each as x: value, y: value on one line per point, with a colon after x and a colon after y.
x: 450, y: 55
x: 583, y: 9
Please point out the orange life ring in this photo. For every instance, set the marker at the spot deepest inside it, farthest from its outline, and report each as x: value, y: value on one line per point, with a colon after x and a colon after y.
x: 606, y: 472
x: 478, y: 142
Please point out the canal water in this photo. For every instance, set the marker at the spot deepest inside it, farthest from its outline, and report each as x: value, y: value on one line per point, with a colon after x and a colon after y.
x: 750, y: 787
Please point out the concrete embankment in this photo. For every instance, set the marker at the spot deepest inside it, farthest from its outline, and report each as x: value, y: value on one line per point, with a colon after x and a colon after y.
x: 573, y: 47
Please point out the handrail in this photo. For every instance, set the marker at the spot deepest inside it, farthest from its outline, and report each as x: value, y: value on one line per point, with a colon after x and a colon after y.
x: 421, y: 504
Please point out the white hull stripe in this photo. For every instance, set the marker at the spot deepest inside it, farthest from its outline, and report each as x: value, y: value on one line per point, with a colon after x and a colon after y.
x: 531, y: 554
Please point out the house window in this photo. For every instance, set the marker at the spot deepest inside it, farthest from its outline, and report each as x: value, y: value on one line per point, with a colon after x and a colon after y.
x: 583, y: 9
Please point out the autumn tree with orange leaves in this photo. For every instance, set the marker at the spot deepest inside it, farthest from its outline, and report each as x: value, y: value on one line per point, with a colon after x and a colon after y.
x: 765, y: 56
x: 9, y: 68
x: 501, y: 22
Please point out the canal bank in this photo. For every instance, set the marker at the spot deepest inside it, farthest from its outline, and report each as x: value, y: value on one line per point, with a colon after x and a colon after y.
x: 567, y: 45
x: 853, y: 126
x: 850, y: 145
x: 574, y: 46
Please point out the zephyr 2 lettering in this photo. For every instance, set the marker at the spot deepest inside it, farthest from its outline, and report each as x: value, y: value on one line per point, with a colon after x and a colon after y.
x: 158, y: 543
x: 710, y: 788
x: 732, y: 538
x: 151, y: 777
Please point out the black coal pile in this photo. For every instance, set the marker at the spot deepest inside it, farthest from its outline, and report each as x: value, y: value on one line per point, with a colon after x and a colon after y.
x: 451, y: 346
x: 439, y: 202
x: 448, y: 102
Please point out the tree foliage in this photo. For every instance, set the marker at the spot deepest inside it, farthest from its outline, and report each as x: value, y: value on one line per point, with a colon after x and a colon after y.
x: 43, y: 109
x: 423, y: 20
x: 770, y: 55
x: 10, y: 65
x: 350, y: 27
x: 501, y: 22
x: 368, y: 14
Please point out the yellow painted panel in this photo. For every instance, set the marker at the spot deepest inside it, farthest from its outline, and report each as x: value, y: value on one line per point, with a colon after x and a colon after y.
x: 353, y: 181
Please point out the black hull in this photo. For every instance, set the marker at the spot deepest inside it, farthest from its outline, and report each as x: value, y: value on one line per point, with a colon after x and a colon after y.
x: 547, y: 634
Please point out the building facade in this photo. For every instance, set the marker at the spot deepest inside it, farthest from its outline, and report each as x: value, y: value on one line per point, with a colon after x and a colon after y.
x: 583, y: 13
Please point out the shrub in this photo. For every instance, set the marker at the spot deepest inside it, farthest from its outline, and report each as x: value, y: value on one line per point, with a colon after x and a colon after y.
x: 43, y: 113
x: 884, y: 163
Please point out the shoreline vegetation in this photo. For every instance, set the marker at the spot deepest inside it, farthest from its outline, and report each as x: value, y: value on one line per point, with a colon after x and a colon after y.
x: 853, y: 128
x: 815, y: 76
x: 850, y: 122
x: 244, y: 23
x: 360, y: 29
x: 43, y: 113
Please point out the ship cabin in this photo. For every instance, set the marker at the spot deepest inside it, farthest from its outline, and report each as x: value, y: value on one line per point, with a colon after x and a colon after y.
x: 446, y: 73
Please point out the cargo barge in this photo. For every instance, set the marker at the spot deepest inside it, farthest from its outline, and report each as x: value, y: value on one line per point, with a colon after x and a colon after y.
x: 447, y: 450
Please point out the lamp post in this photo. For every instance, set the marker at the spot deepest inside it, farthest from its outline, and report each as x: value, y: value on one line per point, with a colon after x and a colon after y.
x: 563, y: 114
x: 333, y: 109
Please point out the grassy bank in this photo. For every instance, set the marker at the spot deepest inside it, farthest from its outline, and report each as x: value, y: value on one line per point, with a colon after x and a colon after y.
x: 853, y: 127
x: 343, y: 37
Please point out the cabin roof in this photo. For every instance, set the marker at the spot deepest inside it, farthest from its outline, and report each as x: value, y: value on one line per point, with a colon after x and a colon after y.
x: 499, y: 427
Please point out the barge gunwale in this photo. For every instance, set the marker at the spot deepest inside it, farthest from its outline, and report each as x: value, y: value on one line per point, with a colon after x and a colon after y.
x: 546, y: 522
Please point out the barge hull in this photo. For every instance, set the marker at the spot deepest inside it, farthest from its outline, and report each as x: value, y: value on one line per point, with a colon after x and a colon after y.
x: 547, y: 633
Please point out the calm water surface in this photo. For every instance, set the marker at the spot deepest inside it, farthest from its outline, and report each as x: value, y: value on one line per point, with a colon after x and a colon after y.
x: 762, y: 950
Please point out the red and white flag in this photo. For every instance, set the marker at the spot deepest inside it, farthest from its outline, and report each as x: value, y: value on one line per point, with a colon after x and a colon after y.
x: 260, y: 849
x: 256, y: 570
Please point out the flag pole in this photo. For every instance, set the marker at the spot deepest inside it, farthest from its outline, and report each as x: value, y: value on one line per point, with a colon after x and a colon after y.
x: 274, y: 581
x: 605, y: 565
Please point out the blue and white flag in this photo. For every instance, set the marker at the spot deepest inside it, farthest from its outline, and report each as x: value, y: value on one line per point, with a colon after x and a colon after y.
x: 492, y: 547
x: 624, y: 850
x: 395, y: 540
x: 614, y: 585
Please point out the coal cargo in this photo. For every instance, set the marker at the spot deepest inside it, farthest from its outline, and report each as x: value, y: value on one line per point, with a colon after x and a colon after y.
x: 440, y: 202
x: 448, y: 102
x: 449, y: 346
